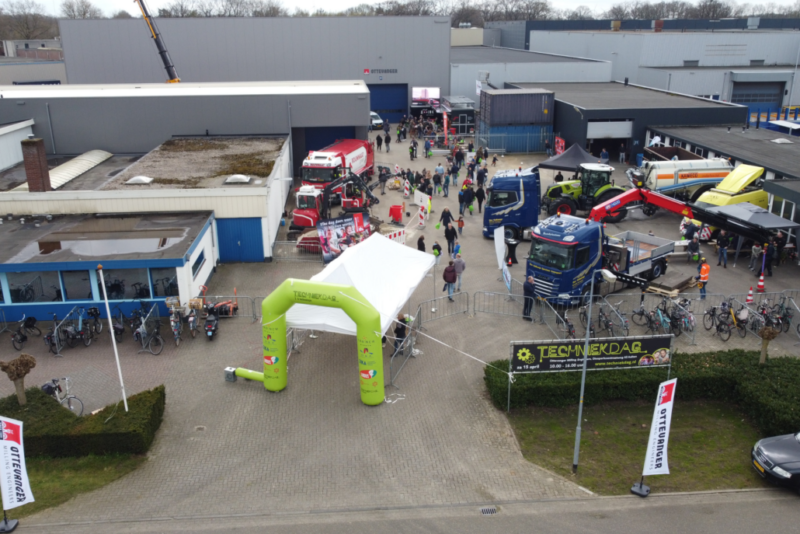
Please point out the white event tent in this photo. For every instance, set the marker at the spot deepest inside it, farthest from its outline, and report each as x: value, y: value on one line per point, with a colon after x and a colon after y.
x: 385, y: 272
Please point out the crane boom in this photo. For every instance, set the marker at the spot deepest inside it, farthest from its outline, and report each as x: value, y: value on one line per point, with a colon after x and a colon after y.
x: 645, y: 196
x: 172, y: 74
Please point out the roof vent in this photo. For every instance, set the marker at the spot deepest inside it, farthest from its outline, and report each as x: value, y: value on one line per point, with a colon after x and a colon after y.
x: 782, y: 141
x: 138, y: 180
x: 237, y: 179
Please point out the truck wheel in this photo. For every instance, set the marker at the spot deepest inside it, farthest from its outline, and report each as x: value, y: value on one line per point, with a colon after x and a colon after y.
x: 510, y: 233
x: 564, y: 205
x: 658, y: 270
x: 605, y: 197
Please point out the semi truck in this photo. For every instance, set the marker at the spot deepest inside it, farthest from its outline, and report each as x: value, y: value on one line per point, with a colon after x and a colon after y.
x: 567, y: 251
x: 313, y: 205
x: 324, y: 166
x: 513, y: 202
x: 682, y: 179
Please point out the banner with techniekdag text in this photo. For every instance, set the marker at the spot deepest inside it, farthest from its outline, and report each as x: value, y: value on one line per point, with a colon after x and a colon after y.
x: 607, y: 353
x: 655, y: 461
x: 16, y: 489
x: 336, y: 235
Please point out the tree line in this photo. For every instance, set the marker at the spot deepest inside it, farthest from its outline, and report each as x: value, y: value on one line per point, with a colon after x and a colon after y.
x: 28, y: 19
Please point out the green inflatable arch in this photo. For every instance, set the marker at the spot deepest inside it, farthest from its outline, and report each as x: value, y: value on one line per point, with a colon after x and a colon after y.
x: 348, y: 299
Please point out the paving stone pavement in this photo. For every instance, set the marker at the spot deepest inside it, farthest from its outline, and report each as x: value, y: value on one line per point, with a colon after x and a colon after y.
x: 227, y: 448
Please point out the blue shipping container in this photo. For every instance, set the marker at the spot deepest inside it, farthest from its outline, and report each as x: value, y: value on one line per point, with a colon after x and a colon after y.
x: 525, y: 138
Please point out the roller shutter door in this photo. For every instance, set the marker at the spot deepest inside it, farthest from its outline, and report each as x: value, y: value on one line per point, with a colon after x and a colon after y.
x: 761, y: 95
x: 390, y: 101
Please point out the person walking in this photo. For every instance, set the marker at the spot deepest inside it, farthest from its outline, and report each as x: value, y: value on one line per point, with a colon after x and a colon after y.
x: 755, y: 256
x: 547, y: 149
x: 693, y: 250
x: 456, y: 250
x: 379, y: 142
x: 780, y: 242
x: 383, y: 177
x: 415, y: 145
x: 450, y: 235
x: 528, y: 290
x: 461, y: 194
x: 446, y: 185
x: 494, y: 161
x: 769, y: 256
x: 437, y: 252
x: 439, y: 169
x: 437, y: 183
x: 622, y: 153
x: 469, y: 196
x: 387, y: 141
x: 411, y: 151
x: 421, y: 243
x: 480, y: 176
x: 723, y: 242
x: 427, y: 148
x: 454, y: 173
x: 446, y: 217
x: 460, y: 224
x: 386, y: 127
x: 450, y: 277
x: 460, y: 266
x: 480, y: 196
x: 703, y: 269
x: 400, y: 331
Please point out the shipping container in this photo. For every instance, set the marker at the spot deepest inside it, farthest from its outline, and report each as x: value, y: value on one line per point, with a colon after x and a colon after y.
x: 523, y: 138
x: 503, y: 107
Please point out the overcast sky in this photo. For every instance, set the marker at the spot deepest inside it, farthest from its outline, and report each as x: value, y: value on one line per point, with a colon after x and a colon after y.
x: 112, y: 6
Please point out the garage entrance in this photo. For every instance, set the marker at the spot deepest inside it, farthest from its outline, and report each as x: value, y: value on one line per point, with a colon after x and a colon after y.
x: 758, y: 95
x: 319, y: 138
x: 390, y: 100
x: 240, y: 240
x: 609, y: 135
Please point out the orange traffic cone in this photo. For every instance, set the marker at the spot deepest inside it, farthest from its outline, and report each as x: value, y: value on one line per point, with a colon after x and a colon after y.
x: 760, y: 287
x: 750, y: 294
x: 509, y: 262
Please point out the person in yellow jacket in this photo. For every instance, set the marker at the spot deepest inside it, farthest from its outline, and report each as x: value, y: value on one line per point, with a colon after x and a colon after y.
x: 702, y: 278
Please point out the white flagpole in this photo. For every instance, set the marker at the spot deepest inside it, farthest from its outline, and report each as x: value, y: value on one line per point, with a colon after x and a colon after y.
x: 113, y: 339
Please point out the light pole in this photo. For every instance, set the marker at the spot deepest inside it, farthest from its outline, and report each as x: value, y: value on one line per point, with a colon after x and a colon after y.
x: 609, y: 277
x: 794, y: 76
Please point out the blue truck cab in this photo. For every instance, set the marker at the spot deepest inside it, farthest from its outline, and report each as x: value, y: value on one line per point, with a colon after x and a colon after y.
x: 512, y: 201
x: 564, y: 251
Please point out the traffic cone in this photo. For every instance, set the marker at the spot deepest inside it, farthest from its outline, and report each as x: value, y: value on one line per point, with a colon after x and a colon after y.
x: 760, y: 287
x: 509, y: 262
x: 750, y: 294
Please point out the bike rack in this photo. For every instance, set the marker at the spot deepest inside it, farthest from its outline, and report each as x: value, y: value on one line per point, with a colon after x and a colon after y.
x: 59, y: 332
x: 148, y: 327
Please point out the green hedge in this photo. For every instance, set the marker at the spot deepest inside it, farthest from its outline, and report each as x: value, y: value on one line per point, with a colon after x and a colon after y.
x: 52, y: 430
x: 769, y: 394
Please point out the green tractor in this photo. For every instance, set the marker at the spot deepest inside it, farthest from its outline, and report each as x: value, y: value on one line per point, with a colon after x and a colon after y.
x: 592, y: 186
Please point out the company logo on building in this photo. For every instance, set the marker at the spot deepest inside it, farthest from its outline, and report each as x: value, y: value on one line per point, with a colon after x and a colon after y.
x: 380, y: 71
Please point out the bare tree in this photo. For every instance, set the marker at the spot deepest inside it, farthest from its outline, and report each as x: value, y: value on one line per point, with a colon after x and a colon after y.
x: 80, y: 9
x: 580, y: 13
x: 268, y: 8
x: 711, y: 9
x: 121, y: 14
x: 27, y: 20
x: 232, y: 8
x: 178, y: 9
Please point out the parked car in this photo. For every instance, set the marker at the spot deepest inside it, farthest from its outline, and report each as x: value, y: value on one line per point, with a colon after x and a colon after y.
x: 778, y: 460
x: 377, y: 121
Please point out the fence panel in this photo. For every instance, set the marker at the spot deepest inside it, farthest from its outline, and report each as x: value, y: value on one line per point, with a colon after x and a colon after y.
x: 406, y: 350
x: 556, y: 317
x: 498, y: 303
x: 289, y: 251
x: 441, y: 307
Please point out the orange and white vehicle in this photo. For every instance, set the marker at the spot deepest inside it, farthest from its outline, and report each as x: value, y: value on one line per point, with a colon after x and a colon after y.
x: 322, y: 167
x: 684, y: 179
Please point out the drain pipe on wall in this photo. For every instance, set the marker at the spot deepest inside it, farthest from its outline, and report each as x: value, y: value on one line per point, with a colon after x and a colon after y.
x: 50, y: 125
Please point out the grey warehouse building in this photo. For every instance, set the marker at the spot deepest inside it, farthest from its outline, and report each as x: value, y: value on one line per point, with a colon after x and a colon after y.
x: 390, y: 54
x: 605, y: 115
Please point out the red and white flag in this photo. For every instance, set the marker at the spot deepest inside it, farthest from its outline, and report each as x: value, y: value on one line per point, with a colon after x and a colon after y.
x: 16, y: 489
x: 655, y: 461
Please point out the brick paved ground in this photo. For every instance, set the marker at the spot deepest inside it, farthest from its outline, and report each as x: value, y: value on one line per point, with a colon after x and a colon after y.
x: 235, y: 448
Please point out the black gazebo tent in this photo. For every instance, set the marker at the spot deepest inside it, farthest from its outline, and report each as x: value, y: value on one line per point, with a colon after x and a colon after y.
x: 569, y: 159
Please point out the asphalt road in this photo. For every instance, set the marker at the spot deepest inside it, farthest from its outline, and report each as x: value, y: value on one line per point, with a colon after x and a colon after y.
x: 724, y: 512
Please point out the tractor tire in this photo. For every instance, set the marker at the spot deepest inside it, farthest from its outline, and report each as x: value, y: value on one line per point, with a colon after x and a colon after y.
x: 658, y: 270
x: 700, y: 191
x: 563, y: 205
x: 605, y: 197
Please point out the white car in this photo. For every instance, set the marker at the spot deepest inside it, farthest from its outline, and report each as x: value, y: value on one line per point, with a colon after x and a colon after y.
x: 376, y: 120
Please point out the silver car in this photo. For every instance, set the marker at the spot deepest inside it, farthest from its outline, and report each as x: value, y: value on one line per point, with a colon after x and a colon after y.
x: 376, y: 120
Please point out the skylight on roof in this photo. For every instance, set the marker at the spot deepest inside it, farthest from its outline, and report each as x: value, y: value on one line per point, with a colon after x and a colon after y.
x: 782, y: 141
x: 138, y: 180
x: 237, y: 179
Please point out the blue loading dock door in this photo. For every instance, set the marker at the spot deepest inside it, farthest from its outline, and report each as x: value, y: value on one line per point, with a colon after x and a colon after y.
x: 319, y: 138
x: 390, y: 101
x: 240, y: 240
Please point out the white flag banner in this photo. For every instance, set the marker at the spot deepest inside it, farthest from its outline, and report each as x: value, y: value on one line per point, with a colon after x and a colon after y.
x: 500, y: 245
x: 507, y: 278
x: 14, y: 483
x: 421, y: 199
x: 655, y: 461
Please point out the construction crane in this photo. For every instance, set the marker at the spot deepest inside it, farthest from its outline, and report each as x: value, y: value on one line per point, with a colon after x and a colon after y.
x: 172, y: 74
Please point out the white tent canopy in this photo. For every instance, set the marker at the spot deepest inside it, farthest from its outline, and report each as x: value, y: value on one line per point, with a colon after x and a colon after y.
x: 385, y: 272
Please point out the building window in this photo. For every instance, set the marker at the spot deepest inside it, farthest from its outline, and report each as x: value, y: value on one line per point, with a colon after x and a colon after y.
x: 165, y: 282
x: 756, y: 62
x: 699, y: 151
x: 127, y: 284
x: 691, y: 62
x: 77, y: 285
x: 41, y: 286
x: 198, y: 263
x: 677, y: 144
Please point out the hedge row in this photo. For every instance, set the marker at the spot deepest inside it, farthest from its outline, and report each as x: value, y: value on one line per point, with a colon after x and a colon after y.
x: 769, y: 394
x: 52, y: 430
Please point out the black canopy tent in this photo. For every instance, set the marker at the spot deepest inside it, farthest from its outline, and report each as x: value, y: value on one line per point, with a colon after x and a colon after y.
x: 569, y: 159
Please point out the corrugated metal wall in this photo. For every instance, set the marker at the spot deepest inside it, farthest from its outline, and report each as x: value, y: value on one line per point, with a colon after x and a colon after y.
x: 521, y: 107
x: 512, y: 33
x: 411, y: 50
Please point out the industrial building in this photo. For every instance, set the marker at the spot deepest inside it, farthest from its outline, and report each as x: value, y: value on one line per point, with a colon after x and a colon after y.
x: 392, y: 55
x: 751, y: 68
x: 606, y: 115
x: 777, y: 153
x: 493, y: 67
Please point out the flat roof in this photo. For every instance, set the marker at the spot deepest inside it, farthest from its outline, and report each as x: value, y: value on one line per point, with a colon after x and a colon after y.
x: 91, y: 238
x: 756, y: 147
x: 492, y: 54
x: 185, y: 89
x: 616, y: 95
x: 786, y: 189
x: 740, y: 68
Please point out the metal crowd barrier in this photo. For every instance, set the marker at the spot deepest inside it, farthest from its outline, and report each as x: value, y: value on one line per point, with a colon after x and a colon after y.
x: 405, y: 351
x: 498, y: 303
x: 289, y: 251
x: 441, y: 307
x: 551, y: 313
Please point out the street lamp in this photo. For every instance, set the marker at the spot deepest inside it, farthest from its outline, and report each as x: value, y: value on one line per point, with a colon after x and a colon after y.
x: 608, y: 276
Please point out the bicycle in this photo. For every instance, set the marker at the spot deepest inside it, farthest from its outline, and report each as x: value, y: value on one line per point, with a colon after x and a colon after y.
x: 57, y: 292
x: 585, y: 322
x: 69, y: 401
x: 97, y: 324
x: 140, y: 290
x: 50, y: 340
x: 26, y: 293
x: 663, y: 322
x: 566, y: 326
x: 604, y: 321
x: 176, y: 322
x: 116, y: 289
x: 784, y: 313
x: 19, y: 338
x: 156, y: 343
x: 624, y: 326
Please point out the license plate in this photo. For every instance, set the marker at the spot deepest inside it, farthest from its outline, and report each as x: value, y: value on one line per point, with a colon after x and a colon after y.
x: 210, y: 334
x: 758, y: 466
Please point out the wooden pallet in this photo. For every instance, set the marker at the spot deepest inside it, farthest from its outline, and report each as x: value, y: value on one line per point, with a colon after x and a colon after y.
x: 671, y: 293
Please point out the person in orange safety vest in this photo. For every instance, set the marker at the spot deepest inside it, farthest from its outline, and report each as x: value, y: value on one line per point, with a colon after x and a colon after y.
x: 702, y: 278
